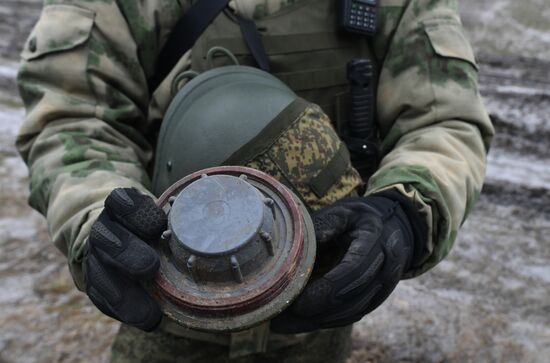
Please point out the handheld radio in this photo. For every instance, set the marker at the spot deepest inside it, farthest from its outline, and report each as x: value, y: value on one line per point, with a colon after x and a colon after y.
x: 359, y: 16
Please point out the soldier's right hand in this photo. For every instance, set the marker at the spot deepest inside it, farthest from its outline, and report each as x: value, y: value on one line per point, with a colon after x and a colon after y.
x: 117, y: 257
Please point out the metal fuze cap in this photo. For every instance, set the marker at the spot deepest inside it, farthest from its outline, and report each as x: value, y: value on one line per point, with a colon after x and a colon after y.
x: 239, y: 249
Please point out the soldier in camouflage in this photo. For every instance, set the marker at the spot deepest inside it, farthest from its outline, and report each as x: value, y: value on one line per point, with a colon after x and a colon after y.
x: 92, y: 123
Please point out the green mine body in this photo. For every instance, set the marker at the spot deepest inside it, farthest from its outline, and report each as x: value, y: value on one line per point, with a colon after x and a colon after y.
x: 212, y: 117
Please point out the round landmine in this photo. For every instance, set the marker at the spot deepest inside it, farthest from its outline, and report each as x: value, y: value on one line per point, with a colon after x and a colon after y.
x: 238, y: 250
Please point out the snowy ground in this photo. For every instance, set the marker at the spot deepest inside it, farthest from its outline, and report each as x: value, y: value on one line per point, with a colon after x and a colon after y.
x: 488, y: 302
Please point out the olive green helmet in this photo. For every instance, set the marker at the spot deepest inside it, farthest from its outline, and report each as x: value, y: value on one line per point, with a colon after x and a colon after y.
x: 212, y: 117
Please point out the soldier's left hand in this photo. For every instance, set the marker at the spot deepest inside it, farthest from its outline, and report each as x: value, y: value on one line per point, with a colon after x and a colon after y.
x: 380, y: 240
x: 118, y: 259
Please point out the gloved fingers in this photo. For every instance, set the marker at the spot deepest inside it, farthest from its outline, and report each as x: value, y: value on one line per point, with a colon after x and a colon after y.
x: 387, y: 262
x: 371, y: 289
x: 97, y: 279
x: 369, y: 271
x: 377, y: 300
x: 342, y: 217
x: 332, y: 221
x: 350, y: 311
x: 359, y: 266
x: 397, y: 253
x: 317, y: 296
x: 330, y: 224
x: 322, y: 295
x: 357, y: 286
x: 137, y: 212
x: 120, y: 297
x: 387, y: 270
x: 116, y: 246
x: 361, y: 263
x: 340, y: 315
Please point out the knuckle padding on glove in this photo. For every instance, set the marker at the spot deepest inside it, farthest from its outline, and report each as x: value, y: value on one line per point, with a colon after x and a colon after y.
x: 351, y: 276
x: 116, y: 246
x: 120, y: 198
x: 138, y: 261
x: 364, y: 279
x: 134, y: 306
x: 118, y: 296
x: 137, y: 212
x: 149, y: 221
x: 98, y: 279
x: 102, y: 236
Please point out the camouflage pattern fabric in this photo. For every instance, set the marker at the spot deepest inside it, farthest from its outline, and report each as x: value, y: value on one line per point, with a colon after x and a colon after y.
x: 134, y: 346
x: 435, y: 130
x: 301, y: 152
x: 91, y: 121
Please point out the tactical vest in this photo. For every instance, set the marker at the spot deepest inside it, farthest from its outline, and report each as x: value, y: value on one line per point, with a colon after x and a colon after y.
x: 306, y: 51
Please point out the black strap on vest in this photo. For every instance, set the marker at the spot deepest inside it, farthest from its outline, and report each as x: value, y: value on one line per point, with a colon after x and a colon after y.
x: 254, y: 42
x: 184, y: 35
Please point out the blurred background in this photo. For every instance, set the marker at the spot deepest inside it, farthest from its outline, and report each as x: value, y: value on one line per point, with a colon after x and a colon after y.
x: 488, y: 302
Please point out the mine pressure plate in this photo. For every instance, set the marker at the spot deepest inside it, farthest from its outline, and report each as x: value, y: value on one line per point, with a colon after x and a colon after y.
x: 238, y: 250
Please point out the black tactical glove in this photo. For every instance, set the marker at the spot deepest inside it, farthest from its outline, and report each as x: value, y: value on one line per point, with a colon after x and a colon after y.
x: 380, y: 247
x: 117, y: 258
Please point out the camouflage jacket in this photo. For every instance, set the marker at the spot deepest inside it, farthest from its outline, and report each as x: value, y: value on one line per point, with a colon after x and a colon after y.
x: 91, y: 118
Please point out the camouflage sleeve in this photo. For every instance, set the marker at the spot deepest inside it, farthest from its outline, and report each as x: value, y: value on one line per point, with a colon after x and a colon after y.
x: 83, y: 80
x: 435, y: 130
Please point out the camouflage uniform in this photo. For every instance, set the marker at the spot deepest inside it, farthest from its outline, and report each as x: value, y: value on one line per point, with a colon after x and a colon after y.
x: 133, y: 346
x: 91, y: 120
